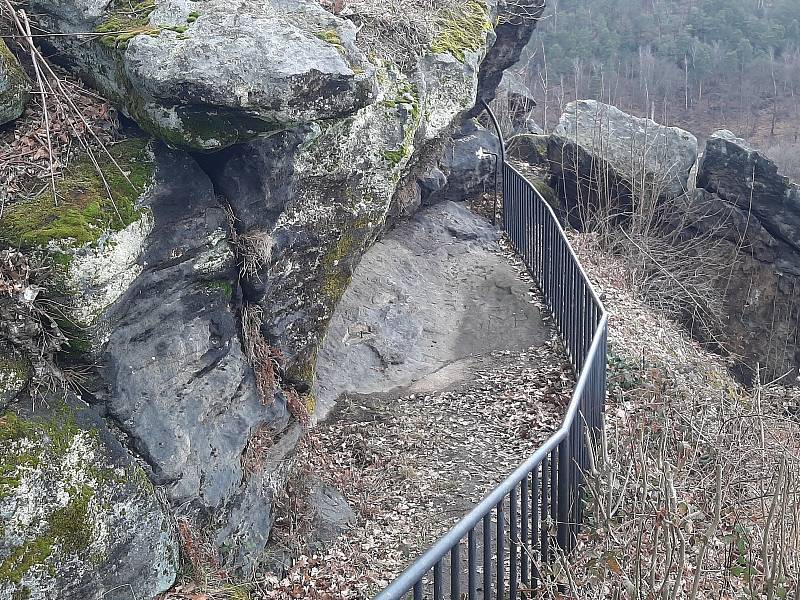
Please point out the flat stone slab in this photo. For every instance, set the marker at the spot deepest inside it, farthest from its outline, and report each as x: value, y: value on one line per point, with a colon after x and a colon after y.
x: 432, y: 295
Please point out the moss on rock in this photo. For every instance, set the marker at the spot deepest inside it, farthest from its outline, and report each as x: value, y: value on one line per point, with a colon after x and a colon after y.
x: 463, y: 31
x: 84, y: 211
x: 14, y: 376
x: 63, y: 504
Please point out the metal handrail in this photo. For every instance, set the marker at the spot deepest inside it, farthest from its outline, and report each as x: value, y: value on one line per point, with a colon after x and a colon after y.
x: 548, y: 486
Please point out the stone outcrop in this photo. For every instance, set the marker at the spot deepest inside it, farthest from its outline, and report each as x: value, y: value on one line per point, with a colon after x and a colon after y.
x: 80, y: 518
x: 755, y: 212
x: 194, y: 301
x: 14, y: 86
x: 430, y: 296
x: 206, y: 75
x: 741, y: 175
x: 598, y: 153
x: 742, y: 215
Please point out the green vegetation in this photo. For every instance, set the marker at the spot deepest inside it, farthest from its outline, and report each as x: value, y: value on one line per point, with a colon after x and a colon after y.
x: 331, y: 36
x: 27, y: 445
x: 222, y: 285
x: 84, y: 211
x: 126, y: 21
x: 406, y: 98
x: 463, y: 31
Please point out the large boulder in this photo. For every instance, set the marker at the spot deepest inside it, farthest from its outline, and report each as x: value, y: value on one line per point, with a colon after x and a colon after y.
x: 601, y: 155
x: 740, y: 174
x: 748, y: 212
x: 78, y: 516
x: 208, y: 74
x: 14, y: 86
x: 469, y: 164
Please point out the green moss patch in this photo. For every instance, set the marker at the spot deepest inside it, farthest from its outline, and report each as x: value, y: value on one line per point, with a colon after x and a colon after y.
x: 125, y: 21
x: 29, y: 446
x: 406, y: 98
x: 220, y: 285
x: 331, y: 36
x: 83, y: 211
x: 463, y: 31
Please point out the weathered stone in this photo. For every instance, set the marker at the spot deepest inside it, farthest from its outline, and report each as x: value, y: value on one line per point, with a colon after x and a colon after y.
x: 514, y: 104
x: 159, y: 291
x: 78, y: 518
x: 14, y: 86
x: 759, y: 285
x: 469, y: 162
x: 529, y: 148
x: 331, y: 515
x: 432, y: 294
x: 207, y: 75
x: 516, y: 23
x: 176, y: 379
x: 15, y: 372
x: 611, y: 156
x: 743, y: 176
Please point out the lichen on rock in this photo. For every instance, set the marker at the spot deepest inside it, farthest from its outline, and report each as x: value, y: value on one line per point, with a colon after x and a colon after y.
x: 295, y: 62
x: 75, y: 517
x: 14, y: 86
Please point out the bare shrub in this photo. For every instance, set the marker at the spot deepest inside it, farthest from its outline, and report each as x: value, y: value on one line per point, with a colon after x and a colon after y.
x: 787, y: 156
x: 645, y: 222
x: 693, y: 482
x: 259, y: 353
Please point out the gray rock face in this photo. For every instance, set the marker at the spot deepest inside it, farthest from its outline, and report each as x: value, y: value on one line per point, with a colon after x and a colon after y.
x: 208, y: 74
x: 517, y: 21
x: 755, y: 211
x: 14, y: 86
x: 178, y: 382
x: 79, y: 518
x: 164, y: 297
x: 514, y: 104
x: 331, y: 515
x: 468, y: 163
x: 601, y: 144
x: 432, y: 293
x: 743, y: 176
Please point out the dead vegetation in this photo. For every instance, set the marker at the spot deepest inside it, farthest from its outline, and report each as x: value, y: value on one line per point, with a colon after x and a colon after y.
x: 694, y: 484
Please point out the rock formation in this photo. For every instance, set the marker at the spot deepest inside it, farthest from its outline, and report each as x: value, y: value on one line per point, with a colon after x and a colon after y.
x: 188, y: 308
x: 598, y: 152
x: 14, y: 86
x: 742, y: 211
x: 761, y: 225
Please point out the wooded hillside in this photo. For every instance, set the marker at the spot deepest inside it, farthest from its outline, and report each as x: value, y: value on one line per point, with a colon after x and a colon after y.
x: 700, y: 64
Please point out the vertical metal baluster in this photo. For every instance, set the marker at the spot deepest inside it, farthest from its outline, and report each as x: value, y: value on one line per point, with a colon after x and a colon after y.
x: 472, y: 572
x: 536, y: 533
x: 513, y: 543
x: 418, y: 590
x: 487, y: 557
x: 438, y: 593
x: 525, y: 515
x: 501, y: 551
x: 455, y: 572
x: 554, y: 475
x: 544, y: 555
x: 562, y: 513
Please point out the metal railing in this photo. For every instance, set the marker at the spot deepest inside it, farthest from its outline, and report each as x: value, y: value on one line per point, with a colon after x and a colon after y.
x: 537, y: 511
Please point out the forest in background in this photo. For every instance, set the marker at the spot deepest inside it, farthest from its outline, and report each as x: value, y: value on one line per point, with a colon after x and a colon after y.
x: 698, y: 64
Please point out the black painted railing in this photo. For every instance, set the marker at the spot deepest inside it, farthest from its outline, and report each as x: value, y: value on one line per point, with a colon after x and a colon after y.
x: 498, y: 549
